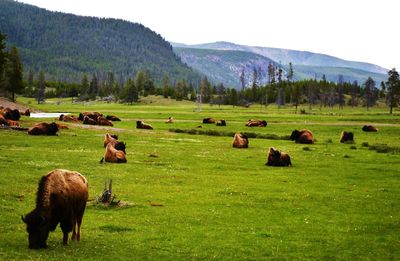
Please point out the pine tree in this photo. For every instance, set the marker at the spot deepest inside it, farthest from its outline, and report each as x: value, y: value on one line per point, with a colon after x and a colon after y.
x: 41, y: 87
x: 14, y: 83
x: 93, y: 88
x: 393, y: 88
x: 3, y: 58
x: 369, y: 87
x: 242, y: 79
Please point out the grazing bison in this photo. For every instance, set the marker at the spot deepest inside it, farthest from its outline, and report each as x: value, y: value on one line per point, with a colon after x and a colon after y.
x: 67, y: 118
x: 369, y: 128
x: 209, y: 120
x: 88, y: 120
x: 169, y: 120
x: 240, y: 141
x: 104, y: 122
x: 61, y: 198
x: 115, y: 153
x: 278, y: 158
x: 346, y: 137
x: 112, y: 118
x: 44, y: 129
x: 256, y: 123
x: 142, y: 125
x: 110, y: 138
x: 221, y: 123
x: 302, y: 136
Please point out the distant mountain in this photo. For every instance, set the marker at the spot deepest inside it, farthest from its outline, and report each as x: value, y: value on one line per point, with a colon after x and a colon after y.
x: 226, y: 66
x: 66, y: 46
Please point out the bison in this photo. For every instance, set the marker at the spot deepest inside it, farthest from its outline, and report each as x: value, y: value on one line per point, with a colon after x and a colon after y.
x: 221, y: 123
x: 68, y: 118
x: 88, y: 120
x: 92, y: 115
x: 240, y: 141
x: 169, y: 120
x: 302, y: 136
x: 61, y: 198
x: 369, y: 128
x: 346, y: 137
x: 43, y: 129
x: 142, y: 125
x: 256, y: 123
x: 104, y: 122
x: 115, y: 153
x: 11, y: 114
x: 209, y: 120
x: 112, y: 118
x: 278, y: 159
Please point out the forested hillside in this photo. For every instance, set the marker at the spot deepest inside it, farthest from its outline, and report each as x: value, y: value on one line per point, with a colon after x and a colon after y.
x: 67, y: 46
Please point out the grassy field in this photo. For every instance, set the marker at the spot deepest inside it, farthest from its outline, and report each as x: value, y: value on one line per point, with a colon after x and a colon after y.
x: 337, y: 201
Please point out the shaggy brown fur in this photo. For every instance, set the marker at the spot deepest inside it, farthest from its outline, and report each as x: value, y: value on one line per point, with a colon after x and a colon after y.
x: 68, y: 118
x: 115, y: 153
x: 302, y: 136
x: 62, y: 126
x: 61, y: 198
x: 88, y: 120
x: 369, y: 128
x: 278, y: 158
x: 346, y: 137
x: 142, y: 125
x: 104, y: 122
x: 256, y: 123
x: 112, y: 118
x: 209, y: 120
x: 44, y: 129
x: 13, y: 123
x: 240, y: 141
x: 10, y: 114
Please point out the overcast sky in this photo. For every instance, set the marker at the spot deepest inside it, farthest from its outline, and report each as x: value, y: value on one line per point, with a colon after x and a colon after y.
x: 367, y: 31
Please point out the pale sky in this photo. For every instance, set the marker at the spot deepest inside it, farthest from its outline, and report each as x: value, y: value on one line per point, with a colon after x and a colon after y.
x: 367, y: 31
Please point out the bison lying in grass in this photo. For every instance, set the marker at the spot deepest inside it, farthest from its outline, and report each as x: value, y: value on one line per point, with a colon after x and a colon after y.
x: 115, y: 153
x: 277, y: 158
x: 302, y: 136
x: 142, y: 125
x: 346, y: 137
x: 43, y: 129
x: 240, y: 141
x: 369, y: 128
x: 256, y: 123
x: 61, y: 198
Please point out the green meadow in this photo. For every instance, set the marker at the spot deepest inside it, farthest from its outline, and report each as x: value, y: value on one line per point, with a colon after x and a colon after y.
x: 194, y: 197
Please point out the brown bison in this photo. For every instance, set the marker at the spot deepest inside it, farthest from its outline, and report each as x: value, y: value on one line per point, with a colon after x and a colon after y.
x: 346, y: 137
x: 104, y: 122
x: 221, y: 123
x: 110, y: 138
x: 209, y: 120
x: 92, y: 115
x: 240, y: 141
x: 26, y: 113
x: 115, y: 153
x: 278, y: 158
x: 88, y: 120
x: 256, y: 123
x: 369, y: 128
x: 112, y: 118
x: 302, y: 136
x: 142, y: 125
x: 68, y: 118
x: 43, y: 129
x: 11, y: 114
x: 61, y: 198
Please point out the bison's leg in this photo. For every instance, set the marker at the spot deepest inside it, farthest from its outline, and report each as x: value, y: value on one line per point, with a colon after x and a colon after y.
x: 79, y: 221
x: 74, y: 236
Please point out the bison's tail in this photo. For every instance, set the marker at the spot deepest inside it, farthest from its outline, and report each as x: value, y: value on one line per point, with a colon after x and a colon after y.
x: 102, y: 160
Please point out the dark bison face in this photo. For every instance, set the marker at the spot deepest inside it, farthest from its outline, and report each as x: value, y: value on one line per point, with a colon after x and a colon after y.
x: 139, y: 124
x: 53, y: 128
x: 37, y: 227
x: 61, y: 117
x: 295, y: 135
x: 263, y: 123
x: 80, y: 117
x: 115, y: 136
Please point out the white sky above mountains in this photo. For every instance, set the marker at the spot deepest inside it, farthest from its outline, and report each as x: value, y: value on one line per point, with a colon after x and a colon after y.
x: 367, y: 31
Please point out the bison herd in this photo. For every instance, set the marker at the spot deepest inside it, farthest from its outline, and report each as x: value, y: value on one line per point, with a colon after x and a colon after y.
x: 62, y: 194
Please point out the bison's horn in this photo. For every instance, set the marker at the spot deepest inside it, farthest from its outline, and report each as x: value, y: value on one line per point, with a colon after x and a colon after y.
x: 23, y: 218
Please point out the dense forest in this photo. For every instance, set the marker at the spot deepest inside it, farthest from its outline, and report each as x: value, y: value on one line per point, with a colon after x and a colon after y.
x: 65, y: 46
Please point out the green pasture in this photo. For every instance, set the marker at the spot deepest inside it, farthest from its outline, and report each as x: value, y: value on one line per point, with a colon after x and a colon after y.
x: 337, y: 201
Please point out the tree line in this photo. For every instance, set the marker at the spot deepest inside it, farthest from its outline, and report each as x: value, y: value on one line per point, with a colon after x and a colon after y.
x: 280, y: 88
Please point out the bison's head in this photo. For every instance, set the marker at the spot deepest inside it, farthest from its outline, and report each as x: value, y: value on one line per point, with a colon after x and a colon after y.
x: 295, y: 135
x: 139, y: 124
x: 61, y: 117
x: 274, y: 156
x: 120, y: 146
x: 115, y: 136
x: 37, y: 227
x: 53, y: 128
x: 80, y: 117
